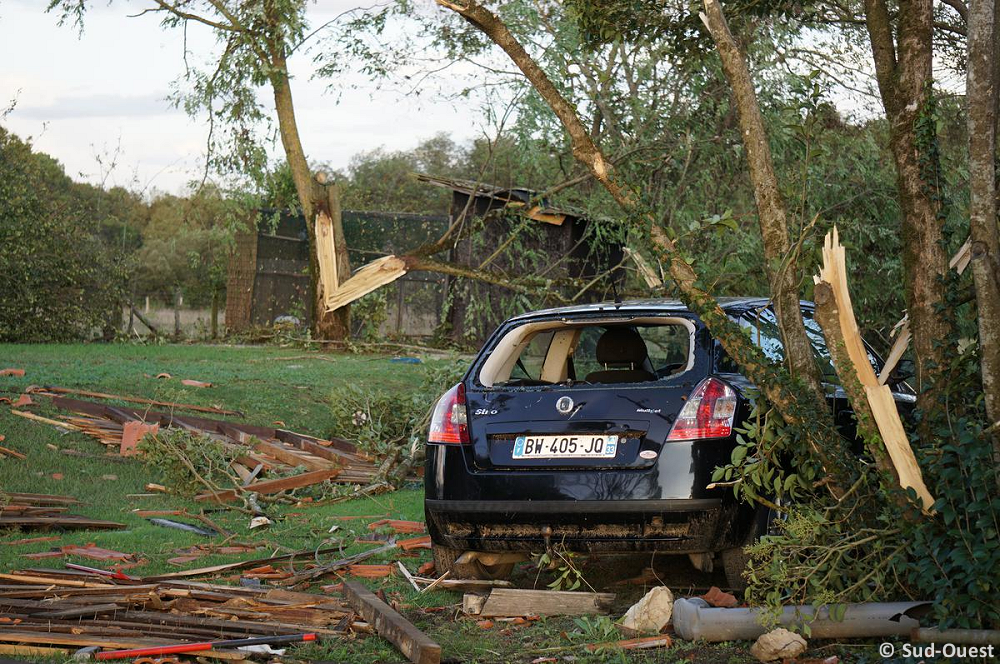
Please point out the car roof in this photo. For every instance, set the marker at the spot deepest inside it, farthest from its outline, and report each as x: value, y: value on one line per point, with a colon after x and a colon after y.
x: 731, y: 305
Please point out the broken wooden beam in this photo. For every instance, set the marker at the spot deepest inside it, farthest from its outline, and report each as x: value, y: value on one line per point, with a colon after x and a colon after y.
x: 511, y: 602
x: 390, y: 625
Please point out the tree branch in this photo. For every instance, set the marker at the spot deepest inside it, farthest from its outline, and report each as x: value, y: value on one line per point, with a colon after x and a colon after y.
x: 187, y: 16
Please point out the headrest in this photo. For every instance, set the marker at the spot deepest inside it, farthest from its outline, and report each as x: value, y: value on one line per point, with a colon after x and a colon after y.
x: 621, y: 345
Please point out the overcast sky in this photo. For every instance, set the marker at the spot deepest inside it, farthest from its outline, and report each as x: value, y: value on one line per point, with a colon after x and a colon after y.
x: 81, y: 96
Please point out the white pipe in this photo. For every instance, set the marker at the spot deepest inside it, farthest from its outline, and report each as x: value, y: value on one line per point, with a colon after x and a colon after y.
x: 695, y: 619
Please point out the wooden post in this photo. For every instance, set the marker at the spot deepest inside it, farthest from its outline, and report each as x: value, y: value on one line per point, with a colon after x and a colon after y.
x: 399, y: 306
x: 131, y: 315
x: 215, y: 313
x: 177, y: 313
x: 146, y: 310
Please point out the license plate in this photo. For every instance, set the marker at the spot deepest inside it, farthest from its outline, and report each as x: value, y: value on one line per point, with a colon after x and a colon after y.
x: 565, y: 447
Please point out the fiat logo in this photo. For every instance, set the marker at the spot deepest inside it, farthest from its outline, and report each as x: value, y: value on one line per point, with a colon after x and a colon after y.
x: 564, y: 405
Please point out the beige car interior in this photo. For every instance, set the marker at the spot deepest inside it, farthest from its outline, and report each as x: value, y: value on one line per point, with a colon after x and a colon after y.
x: 620, y: 350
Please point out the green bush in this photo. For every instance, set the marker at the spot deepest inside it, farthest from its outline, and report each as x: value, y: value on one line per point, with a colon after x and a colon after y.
x: 58, y: 279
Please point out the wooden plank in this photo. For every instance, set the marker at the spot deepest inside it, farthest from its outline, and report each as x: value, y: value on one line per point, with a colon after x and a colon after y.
x: 40, y: 499
x: 238, y: 565
x: 274, y: 486
x: 516, y: 602
x: 67, y: 521
x: 131, y: 399
x: 80, y: 611
x: 292, y: 457
x: 414, y: 644
x: 48, y: 581
x: 81, y: 641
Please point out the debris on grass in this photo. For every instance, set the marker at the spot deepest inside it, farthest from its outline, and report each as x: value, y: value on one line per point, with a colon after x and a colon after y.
x: 414, y: 644
x: 42, y: 511
x: 31, y: 540
x: 180, y: 525
x: 511, y: 602
x: 633, y: 644
x: 778, y: 644
x: 651, y: 613
x: 195, y: 383
x: 370, y: 571
x: 4, y: 451
x: 423, y: 542
x: 52, y: 390
x: 717, y: 598
x: 399, y: 526
x: 90, y: 551
x: 77, y: 608
x: 12, y: 372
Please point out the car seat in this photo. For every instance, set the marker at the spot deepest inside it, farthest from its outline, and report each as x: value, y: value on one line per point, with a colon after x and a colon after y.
x: 622, y: 352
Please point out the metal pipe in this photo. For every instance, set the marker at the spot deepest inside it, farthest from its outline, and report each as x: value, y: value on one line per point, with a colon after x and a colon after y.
x: 973, y: 637
x: 695, y: 619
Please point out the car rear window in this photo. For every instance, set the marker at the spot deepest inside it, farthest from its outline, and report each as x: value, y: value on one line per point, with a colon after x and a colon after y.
x: 566, y: 353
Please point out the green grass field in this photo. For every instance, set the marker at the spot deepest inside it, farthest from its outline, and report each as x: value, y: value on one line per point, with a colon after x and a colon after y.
x: 294, y: 387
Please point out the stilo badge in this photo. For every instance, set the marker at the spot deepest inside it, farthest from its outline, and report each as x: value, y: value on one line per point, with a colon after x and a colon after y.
x: 564, y: 405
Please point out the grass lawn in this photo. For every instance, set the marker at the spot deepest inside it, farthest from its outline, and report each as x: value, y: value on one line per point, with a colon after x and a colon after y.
x: 292, y: 387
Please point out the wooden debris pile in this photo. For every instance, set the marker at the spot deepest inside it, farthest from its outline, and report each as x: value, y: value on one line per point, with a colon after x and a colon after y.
x: 259, y: 450
x: 36, y: 510
x: 69, y: 609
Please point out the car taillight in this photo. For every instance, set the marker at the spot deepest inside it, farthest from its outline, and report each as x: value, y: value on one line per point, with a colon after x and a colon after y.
x: 450, y: 423
x: 708, y: 412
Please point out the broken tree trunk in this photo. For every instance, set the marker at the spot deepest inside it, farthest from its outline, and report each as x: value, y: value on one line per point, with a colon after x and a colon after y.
x: 857, y: 375
x: 332, y: 260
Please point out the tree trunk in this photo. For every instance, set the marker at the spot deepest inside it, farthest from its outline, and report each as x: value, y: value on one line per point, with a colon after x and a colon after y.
x: 324, y: 325
x: 905, y: 86
x: 780, y: 261
x: 797, y: 411
x: 981, y: 96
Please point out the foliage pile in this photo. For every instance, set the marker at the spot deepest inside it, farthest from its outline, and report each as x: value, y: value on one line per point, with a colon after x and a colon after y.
x: 385, y: 424
x: 190, y: 462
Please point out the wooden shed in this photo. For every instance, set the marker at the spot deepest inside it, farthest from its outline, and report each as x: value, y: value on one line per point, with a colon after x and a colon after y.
x: 536, y: 238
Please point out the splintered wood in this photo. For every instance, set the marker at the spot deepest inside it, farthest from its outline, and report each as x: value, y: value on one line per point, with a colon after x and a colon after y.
x: 261, y: 449
x: 374, y: 275
x: 834, y: 273
x: 76, y: 609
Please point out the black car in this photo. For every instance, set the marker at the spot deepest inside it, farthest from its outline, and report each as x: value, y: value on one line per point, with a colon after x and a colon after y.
x: 597, y: 428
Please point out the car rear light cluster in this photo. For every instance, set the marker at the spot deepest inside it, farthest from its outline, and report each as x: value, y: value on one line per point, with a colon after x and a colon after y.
x: 708, y: 413
x: 450, y: 422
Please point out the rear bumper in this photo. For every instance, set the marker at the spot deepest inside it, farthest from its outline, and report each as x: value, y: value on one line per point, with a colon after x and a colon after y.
x: 668, y: 525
